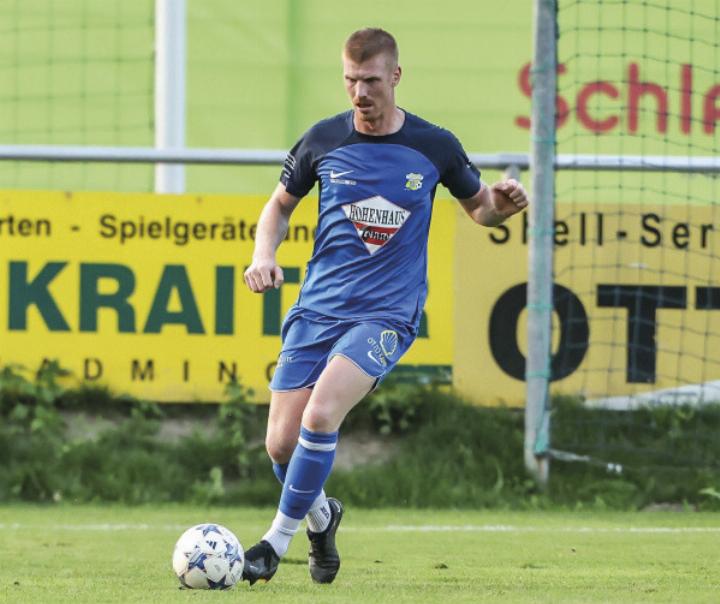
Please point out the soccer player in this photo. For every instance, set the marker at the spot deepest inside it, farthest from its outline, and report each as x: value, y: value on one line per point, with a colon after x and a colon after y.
x: 359, y: 308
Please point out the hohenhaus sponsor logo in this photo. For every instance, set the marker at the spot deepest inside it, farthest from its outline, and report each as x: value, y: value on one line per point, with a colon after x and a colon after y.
x: 380, y: 217
x: 376, y: 220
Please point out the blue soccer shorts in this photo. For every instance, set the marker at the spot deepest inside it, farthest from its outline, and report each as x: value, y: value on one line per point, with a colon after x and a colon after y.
x: 310, y: 340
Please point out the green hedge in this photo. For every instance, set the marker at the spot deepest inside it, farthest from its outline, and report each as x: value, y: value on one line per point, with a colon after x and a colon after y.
x: 446, y: 453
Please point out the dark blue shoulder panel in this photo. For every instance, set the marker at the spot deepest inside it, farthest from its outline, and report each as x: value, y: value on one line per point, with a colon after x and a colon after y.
x: 440, y: 146
x: 298, y: 174
x: 443, y: 149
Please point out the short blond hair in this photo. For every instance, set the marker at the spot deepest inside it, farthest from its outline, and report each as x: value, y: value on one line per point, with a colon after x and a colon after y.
x: 366, y: 43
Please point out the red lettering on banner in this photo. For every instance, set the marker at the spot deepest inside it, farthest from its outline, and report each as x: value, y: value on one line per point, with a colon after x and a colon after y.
x: 686, y: 98
x: 582, y: 110
x: 561, y: 107
x: 635, y: 92
x: 638, y: 89
x: 712, y: 111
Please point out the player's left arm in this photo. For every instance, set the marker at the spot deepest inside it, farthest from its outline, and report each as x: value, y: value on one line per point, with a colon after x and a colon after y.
x: 492, y: 205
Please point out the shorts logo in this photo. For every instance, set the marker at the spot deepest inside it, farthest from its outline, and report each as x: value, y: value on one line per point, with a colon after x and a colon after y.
x: 388, y: 342
x: 380, y: 361
x: 376, y: 354
x: 376, y: 220
x: 283, y: 360
x: 414, y: 181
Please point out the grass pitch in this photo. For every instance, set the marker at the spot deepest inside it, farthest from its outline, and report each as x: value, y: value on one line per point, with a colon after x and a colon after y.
x: 119, y: 554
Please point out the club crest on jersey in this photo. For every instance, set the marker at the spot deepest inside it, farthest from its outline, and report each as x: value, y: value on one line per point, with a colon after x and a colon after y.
x: 376, y: 220
x: 414, y: 181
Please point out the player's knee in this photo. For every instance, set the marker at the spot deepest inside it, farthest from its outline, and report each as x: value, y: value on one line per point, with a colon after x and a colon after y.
x: 320, y: 418
x: 280, y: 451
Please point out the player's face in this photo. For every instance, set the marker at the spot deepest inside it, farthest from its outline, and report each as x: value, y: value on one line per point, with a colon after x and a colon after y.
x: 371, y: 86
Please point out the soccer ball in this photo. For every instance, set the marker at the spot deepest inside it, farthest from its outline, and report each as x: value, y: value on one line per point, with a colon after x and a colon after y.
x: 208, y: 556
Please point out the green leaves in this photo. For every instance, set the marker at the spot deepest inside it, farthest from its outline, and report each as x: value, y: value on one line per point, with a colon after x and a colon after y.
x: 435, y: 450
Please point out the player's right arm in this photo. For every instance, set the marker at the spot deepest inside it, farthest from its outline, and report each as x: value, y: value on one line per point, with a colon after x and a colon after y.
x: 264, y: 272
x: 298, y: 175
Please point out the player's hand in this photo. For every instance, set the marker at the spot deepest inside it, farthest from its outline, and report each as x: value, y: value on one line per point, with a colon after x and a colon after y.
x: 263, y: 275
x: 509, y: 197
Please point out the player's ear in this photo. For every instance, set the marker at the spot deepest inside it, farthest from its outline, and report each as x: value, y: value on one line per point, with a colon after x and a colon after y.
x: 397, y: 72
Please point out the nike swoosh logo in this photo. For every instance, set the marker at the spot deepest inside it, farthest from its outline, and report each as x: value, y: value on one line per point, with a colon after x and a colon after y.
x: 294, y: 490
x: 338, y: 174
x: 372, y: 356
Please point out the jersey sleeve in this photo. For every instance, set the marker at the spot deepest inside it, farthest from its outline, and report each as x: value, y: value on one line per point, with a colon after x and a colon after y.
x: 298, y: 174
x: 460, y: 176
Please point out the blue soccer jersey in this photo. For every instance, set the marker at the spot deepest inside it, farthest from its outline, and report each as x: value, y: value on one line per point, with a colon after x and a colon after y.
x: 375, y: 203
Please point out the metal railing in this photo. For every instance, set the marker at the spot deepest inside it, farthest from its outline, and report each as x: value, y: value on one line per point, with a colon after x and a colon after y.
x: 272, y: 157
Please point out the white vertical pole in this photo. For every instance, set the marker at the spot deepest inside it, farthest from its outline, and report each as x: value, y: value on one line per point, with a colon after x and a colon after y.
x: 170, y: 45
x: 540, y: 269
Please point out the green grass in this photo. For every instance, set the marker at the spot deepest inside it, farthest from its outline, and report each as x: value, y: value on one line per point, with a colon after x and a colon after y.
x: 120, y: 554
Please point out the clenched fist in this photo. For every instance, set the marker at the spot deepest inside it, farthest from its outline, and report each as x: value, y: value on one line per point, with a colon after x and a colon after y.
x: 263, y: 275
x: 508, y: 197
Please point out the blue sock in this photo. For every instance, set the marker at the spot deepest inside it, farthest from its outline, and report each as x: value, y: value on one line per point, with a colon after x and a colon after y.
x: 319, y: 512
x: 280, y: 470
x: 307, y: 471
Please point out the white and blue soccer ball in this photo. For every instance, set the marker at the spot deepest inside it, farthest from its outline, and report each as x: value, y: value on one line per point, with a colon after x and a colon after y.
x: 208, y: 556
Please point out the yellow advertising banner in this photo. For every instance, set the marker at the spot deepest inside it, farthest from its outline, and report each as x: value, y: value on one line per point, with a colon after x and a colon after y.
x: 636, y: 304
x: 145, y: 293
